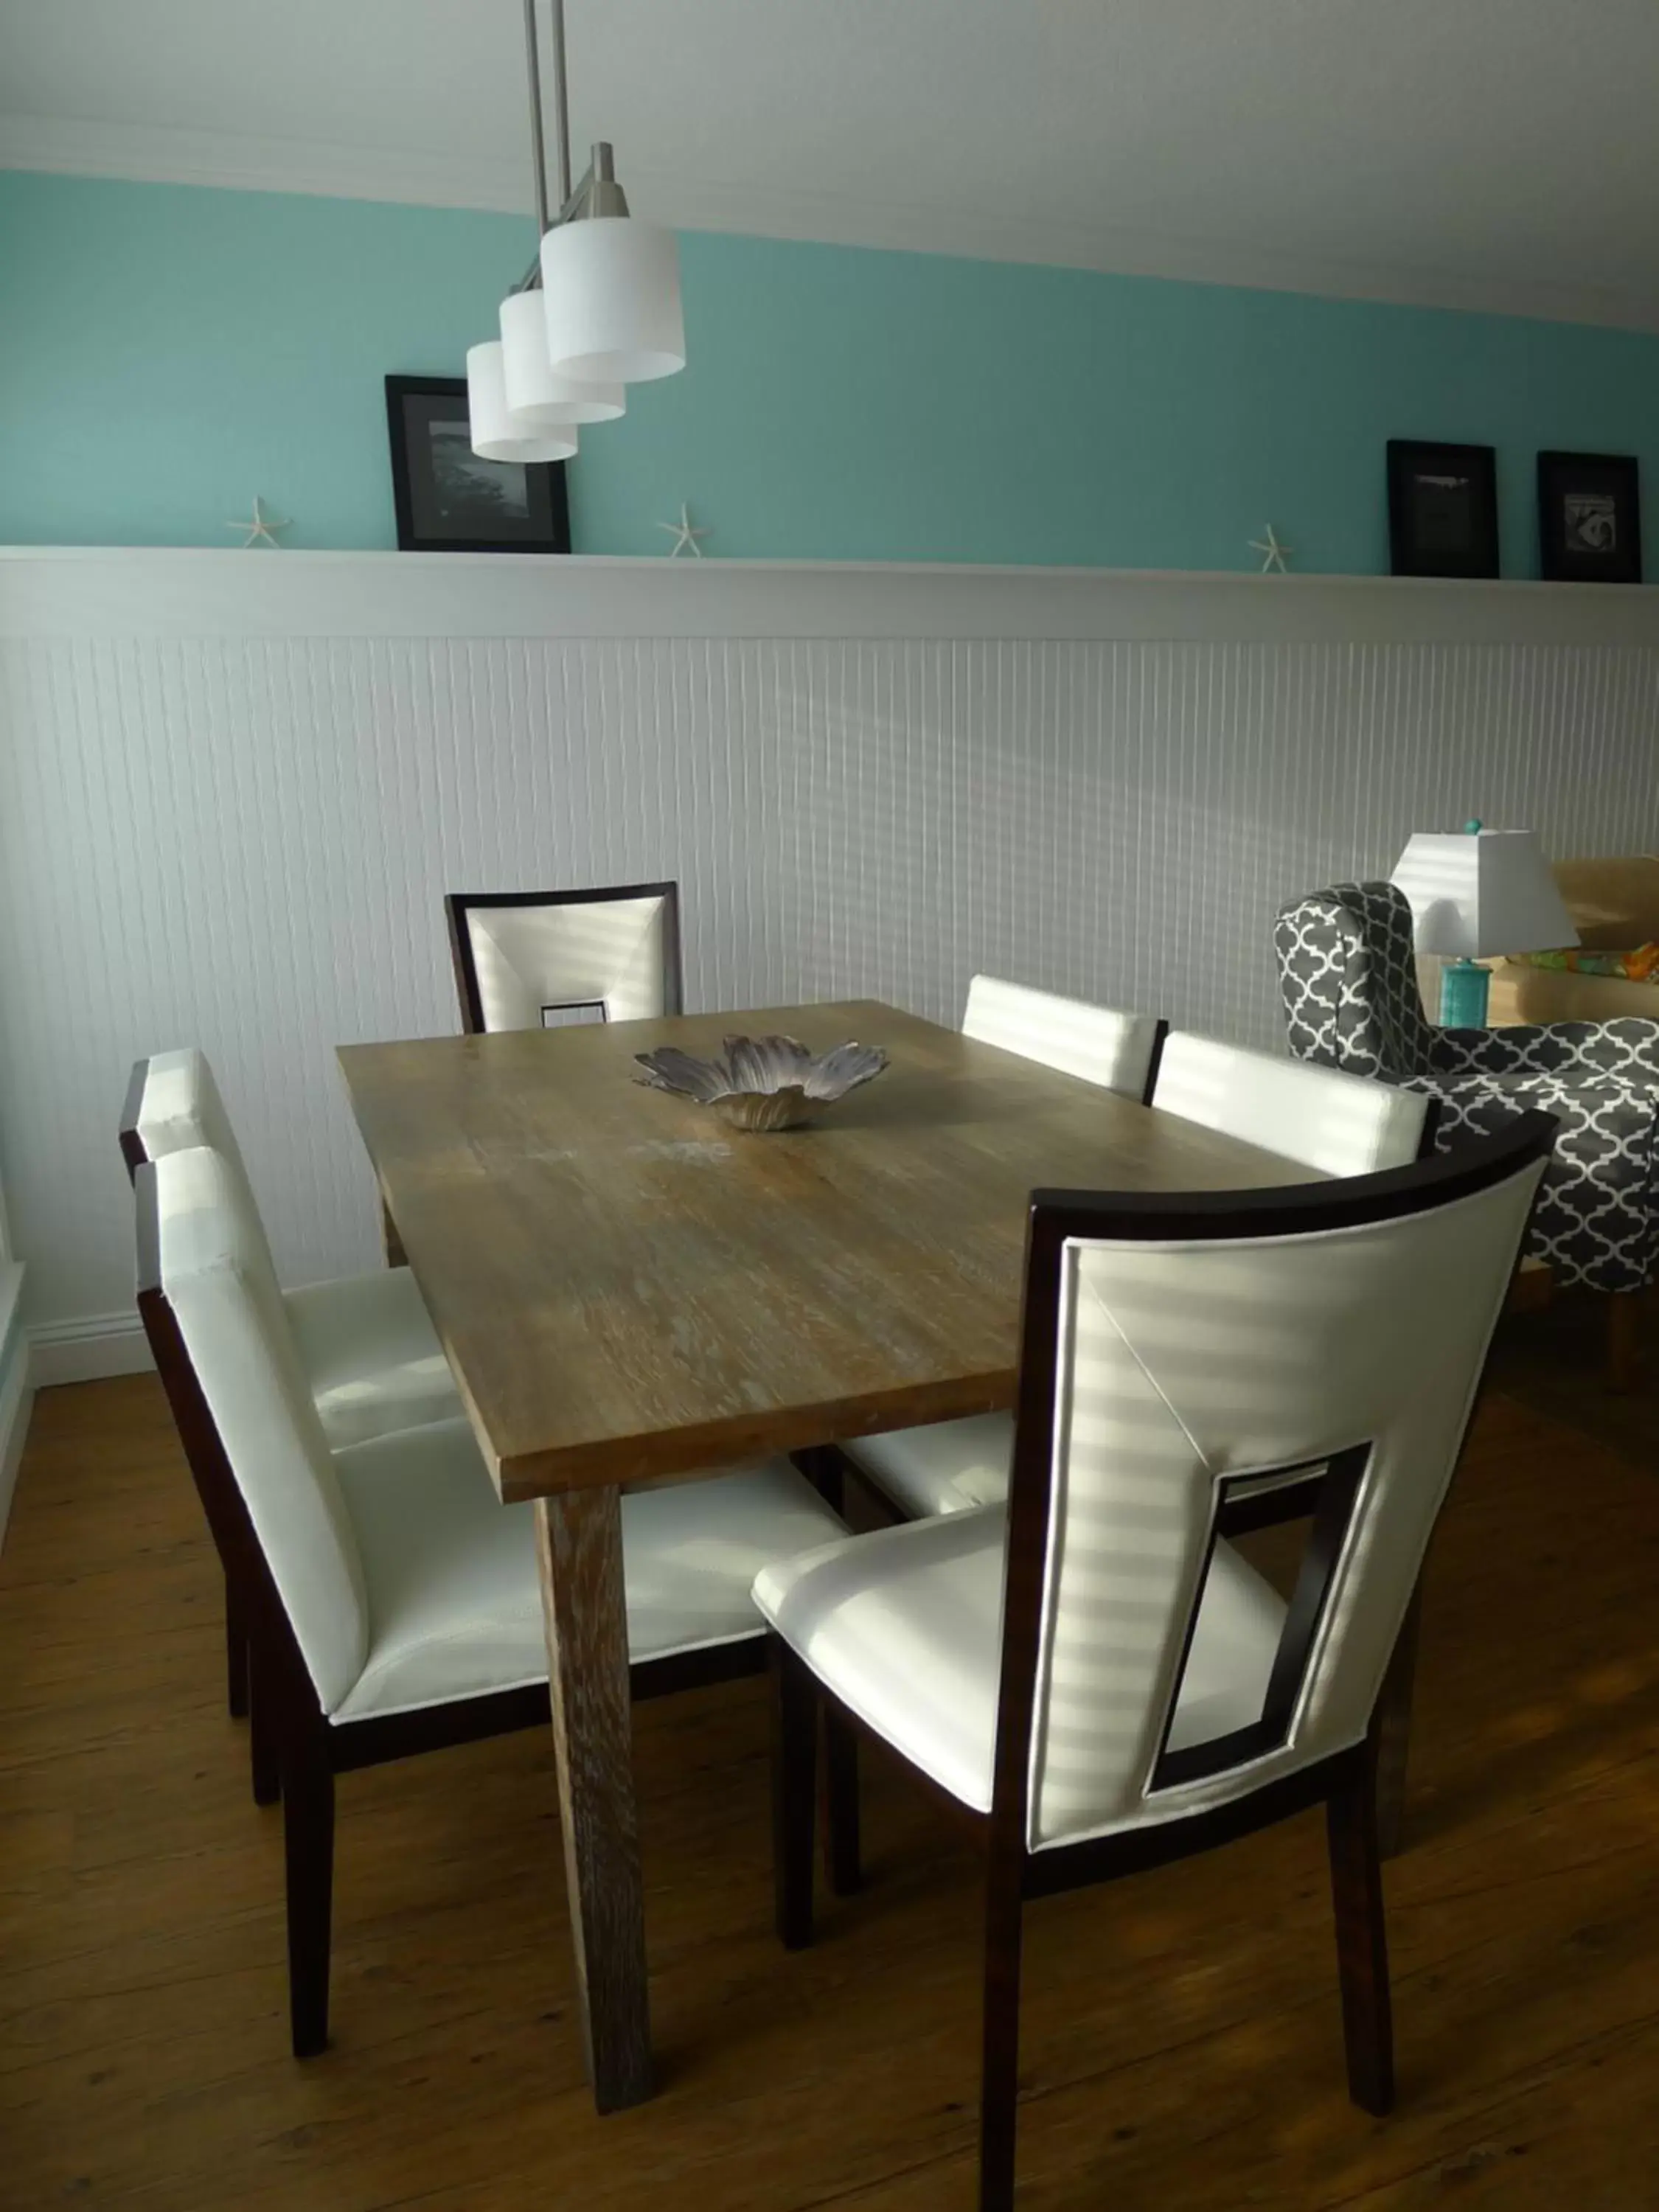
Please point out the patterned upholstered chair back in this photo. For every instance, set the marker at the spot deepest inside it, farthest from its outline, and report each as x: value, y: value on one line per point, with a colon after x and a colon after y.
x: 1348, y: 977
x: 1349, y: 983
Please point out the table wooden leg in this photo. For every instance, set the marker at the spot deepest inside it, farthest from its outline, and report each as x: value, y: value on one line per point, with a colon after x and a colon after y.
x: 1394, y: 1731
x: 578, y: 1540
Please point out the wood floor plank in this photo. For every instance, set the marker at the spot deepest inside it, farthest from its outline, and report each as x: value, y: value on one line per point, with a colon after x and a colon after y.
x: 1182, y: 2045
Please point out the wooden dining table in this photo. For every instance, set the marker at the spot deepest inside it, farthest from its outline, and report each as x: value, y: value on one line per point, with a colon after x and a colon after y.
x: 626, y: 1288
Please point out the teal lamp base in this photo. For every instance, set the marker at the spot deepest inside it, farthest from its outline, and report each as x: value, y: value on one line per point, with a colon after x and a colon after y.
x: 1463, y: 992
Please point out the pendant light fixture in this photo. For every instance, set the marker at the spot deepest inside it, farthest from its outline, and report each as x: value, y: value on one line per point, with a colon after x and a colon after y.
x: 599, y: 309
x: 610, y: 286
x: 499, y: 433
x: 536, y: 391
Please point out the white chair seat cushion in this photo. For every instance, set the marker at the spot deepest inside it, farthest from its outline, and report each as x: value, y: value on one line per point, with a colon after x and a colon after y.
x: 454, y: 1599
x: 905, y: 1627
x: 948, y: 1467
x: 369, y: 1353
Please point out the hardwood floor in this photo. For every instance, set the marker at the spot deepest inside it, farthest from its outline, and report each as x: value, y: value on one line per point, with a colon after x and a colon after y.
x: 1182, y: 2043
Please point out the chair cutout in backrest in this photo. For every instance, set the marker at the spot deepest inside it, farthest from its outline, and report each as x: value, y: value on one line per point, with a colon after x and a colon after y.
x: 215, y: 1318
x: 1118, y: 1051
x: 1182, y: 1358
x: 539, y: 959
x: 1342, y: 1124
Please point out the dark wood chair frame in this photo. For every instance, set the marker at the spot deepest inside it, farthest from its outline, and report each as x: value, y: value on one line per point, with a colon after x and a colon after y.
x: 1344, y: 1783
x: 305, y: 1751
x: 237, y: 1686
x: 1160, y: 1038
x: 458, y: 904
x: 831, y: 1470
x: 842, y: 1851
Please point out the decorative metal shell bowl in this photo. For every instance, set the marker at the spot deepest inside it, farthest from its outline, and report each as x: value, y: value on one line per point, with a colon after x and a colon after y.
x: 763, y: 1083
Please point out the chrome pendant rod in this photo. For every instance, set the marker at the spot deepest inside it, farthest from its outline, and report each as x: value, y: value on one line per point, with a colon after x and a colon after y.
x: 561, y: 106
x: 533, y: 71
x: 599, y: 192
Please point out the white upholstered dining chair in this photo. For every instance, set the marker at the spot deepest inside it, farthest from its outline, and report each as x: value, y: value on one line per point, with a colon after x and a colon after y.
x: 1096, y: 1677
x: 1340, y: 1125
x: 392, y: 1599
x: 365, y: 1344
x: 1116, y: 1050
x: 527, y: 960
x: 950, y: 1466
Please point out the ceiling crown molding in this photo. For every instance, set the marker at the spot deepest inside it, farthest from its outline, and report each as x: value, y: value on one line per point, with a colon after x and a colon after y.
x: 69, y: 146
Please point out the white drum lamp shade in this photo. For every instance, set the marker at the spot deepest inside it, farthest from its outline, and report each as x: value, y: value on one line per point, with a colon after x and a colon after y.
x: 610, y: 286
x: 1478, y: 893
x: 497, y: 433
x: 541, y: 399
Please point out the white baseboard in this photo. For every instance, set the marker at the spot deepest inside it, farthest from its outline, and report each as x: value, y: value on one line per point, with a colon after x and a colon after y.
x: 87, y: 1349
x: 16, y: 1402
x: 16, y: 1391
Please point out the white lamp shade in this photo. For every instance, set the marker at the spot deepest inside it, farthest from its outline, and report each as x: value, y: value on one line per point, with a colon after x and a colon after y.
x: 1483, y: 892
x: 497, y: 433
x: 611, y: 287
x: 539, y: 396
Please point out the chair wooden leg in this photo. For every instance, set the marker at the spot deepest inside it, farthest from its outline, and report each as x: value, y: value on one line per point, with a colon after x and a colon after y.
x: 825, y: 1469
x: 844, y: 1857
x: 308, y: 1838
x: 1394, y: 1731
x: 264, y: 1755
x: 236, y: 1653
x: 794, y: 1786
x: 1362, y: 1948
x: 1000, y: 2062
x: 1624, y: 1310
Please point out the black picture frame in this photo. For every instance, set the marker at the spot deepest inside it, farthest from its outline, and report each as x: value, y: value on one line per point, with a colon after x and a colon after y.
x: 1443, y: 508
x: 449, y: 501
x: 1589, y: 517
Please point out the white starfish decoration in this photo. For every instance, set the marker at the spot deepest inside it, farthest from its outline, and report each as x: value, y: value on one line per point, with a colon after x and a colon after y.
x: 1273, y: 554
x: 684, y: 535
x: 260, y: 527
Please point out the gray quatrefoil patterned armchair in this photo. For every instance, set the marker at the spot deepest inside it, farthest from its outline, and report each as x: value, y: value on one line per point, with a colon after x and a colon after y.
x: 1348, y: 977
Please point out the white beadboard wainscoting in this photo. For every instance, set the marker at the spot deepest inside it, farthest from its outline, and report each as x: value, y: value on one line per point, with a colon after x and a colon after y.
x: 234, y: 788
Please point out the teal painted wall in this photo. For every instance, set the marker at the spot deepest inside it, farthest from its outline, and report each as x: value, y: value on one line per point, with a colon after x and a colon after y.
x: 167, y: 351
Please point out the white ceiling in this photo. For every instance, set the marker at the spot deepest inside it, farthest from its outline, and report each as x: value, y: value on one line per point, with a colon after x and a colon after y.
x: 1494, y: 154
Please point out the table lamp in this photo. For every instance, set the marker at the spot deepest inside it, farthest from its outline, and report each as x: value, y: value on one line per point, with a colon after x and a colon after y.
x: 1480, y: 892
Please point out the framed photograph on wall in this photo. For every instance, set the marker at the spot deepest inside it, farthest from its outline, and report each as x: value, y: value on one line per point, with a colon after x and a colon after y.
x: 447, y: 500
x: 1443, y: 509
x: 1589, y: 517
